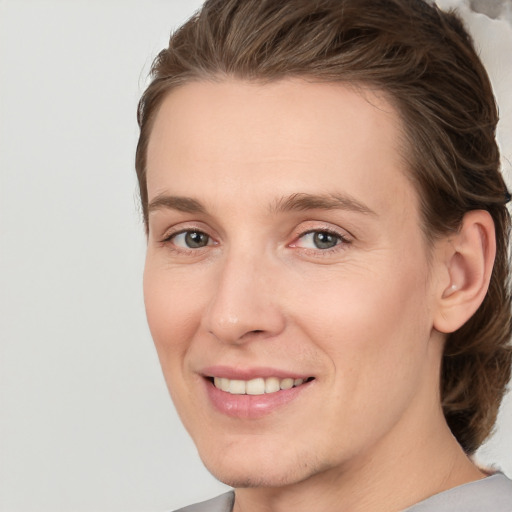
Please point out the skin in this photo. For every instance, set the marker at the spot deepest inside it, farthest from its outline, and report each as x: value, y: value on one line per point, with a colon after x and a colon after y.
x: 364, y: 317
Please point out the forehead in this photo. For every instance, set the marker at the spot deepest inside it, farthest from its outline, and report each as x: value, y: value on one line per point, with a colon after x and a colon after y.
x: 279, y: 138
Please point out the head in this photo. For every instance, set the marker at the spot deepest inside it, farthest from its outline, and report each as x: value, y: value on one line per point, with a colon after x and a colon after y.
x: 403, y: 56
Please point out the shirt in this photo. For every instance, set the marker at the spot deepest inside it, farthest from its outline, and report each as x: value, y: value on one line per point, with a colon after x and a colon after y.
x: 491, y: 494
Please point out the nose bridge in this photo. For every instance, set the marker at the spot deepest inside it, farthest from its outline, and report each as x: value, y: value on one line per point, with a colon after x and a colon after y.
x: 243, y: 302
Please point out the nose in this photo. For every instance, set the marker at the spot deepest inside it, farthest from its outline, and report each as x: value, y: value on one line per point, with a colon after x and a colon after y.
x: 244, y: 304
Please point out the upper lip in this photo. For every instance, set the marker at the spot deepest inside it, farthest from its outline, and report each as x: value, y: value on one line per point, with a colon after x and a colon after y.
x: 238, y: 373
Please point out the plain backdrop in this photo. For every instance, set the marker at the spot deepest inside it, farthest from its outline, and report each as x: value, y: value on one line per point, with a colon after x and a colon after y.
x: 85, y: 420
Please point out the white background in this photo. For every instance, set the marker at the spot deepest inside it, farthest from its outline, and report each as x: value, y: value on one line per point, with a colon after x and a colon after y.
x: 85, y: 420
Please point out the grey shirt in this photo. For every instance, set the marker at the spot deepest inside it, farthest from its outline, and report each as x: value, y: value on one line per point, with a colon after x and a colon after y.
x: 491, y: 494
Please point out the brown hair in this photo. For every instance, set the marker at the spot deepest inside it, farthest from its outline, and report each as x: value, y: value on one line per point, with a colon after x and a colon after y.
x: 425, y: 61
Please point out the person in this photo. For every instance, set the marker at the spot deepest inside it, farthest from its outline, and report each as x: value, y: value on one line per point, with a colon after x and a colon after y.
x: 327, y: 280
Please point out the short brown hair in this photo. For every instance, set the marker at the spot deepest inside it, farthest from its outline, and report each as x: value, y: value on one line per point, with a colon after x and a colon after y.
x: 425, y: 62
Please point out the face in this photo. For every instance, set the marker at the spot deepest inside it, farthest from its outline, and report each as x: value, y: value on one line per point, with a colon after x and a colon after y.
x: 287, y: 284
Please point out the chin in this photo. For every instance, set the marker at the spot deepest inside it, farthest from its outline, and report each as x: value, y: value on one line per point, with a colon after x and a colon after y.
x: 255, y: 477
x: 265, y: 470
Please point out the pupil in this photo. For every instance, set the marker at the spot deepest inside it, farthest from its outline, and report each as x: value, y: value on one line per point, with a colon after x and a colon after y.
x: 325, y: 240
x: 195, y: 239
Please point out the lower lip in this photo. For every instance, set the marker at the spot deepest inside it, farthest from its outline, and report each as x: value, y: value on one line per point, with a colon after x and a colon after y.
x: 252, y: 406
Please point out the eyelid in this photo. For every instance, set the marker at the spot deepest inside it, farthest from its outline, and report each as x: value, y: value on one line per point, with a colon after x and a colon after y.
x: 175, y: 236
x: 170, y: 230
x: 345, y: 238
x: 174, y: 231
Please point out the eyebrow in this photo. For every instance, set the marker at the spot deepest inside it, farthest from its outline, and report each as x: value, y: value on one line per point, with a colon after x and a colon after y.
x: 294, y: 202
x: 181, y: 204
x: 302, y: 201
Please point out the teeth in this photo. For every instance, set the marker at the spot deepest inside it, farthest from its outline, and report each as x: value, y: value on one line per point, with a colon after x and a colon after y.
x: 221, y: 383
x: 286, y: 384
x: 237, y: 387
x: 272, y: 385
x: 257, y: 386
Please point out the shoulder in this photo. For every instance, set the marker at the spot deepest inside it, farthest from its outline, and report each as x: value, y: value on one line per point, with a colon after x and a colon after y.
x: 491, y: 493
x: 222, y: 503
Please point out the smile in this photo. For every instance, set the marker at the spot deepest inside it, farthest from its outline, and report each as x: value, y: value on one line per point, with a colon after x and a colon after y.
x: 257, y: 386
x: 253, y: 393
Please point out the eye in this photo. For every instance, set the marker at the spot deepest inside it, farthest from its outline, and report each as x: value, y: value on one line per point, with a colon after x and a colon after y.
x: 319, y: 239
x: 191, y: 239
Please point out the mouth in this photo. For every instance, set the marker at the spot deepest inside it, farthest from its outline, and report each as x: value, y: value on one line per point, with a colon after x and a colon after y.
x: 254, y: 393
x: 257, y: 386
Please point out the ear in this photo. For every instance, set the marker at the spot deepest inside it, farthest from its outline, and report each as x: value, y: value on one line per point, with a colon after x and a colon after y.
x: 468, y: 259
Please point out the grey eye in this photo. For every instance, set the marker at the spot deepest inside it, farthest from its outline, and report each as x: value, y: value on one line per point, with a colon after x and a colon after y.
x: 191, y: 239
x: 196, y: 239
x: 325, y: 240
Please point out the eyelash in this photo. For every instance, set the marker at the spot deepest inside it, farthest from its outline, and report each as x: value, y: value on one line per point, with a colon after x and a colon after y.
x: 168, y: 240
x: 341, y: 244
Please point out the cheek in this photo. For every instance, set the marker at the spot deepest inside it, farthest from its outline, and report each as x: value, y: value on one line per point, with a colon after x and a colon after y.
x: 171, y: 314
x: 375, y: 337
x: 371, y: 326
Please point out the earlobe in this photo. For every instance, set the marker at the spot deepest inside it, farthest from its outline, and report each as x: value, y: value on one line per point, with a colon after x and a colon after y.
x: 469, y: 259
